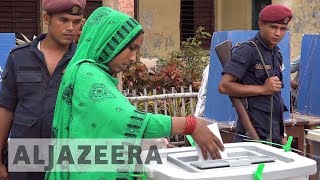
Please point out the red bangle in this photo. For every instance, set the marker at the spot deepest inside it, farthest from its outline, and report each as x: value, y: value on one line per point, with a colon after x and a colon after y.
x: 191, y: 123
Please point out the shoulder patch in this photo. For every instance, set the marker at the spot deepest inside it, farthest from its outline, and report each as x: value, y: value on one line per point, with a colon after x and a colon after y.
x: 250, y: 43
x: 20, y: 46
x: 243, y: 46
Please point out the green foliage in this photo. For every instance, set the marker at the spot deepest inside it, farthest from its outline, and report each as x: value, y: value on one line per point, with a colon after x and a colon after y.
x: 136, y: 77
x: 191, y: 50
x: 181, y: 68
x: 193, y: 59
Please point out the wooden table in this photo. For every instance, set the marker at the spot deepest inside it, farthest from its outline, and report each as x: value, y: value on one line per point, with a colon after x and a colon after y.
x: 313, y: 139
x: 296, y: 128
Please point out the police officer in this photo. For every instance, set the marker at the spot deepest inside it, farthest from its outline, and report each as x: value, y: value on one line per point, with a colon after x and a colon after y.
x: 246, y: 76
x: 32, y: 75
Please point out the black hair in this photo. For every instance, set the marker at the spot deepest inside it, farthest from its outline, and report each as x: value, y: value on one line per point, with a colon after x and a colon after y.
x: 132, y: 40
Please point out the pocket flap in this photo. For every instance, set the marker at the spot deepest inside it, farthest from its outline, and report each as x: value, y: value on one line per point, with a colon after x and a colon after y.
x: 25, y: 119
x: 29, y: 77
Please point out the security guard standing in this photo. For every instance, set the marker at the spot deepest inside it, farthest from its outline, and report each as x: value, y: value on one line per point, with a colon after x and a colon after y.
x: 32, y: 76
x: 258, y: 78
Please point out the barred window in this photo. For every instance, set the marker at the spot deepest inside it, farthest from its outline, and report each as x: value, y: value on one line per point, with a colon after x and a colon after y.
x: 20, y: 16
x: 195, y: 13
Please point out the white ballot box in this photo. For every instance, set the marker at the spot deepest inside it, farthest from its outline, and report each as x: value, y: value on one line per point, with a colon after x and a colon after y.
x: 313, y: 136
x: 241, y: 163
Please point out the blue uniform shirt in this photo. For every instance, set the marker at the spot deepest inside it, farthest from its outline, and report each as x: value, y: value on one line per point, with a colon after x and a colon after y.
x: 29, y: 91
x: 248, y: 68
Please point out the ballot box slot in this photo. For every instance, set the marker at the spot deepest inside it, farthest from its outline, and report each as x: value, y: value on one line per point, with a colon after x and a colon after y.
x: 232, y: 162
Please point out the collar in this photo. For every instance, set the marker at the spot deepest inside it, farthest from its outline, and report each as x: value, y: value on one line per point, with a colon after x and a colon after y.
x: 264, y: 44
x: 34, y: 44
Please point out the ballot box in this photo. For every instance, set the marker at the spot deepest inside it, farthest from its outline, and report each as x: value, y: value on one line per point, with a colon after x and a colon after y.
x: 241, y: 162
x: 313, y: 137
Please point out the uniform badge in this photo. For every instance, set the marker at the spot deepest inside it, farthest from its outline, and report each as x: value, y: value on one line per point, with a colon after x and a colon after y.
x: 260, y: 66
x: 75, y: 10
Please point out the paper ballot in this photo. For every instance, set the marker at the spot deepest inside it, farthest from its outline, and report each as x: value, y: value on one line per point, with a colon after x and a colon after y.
x: 215, y: 130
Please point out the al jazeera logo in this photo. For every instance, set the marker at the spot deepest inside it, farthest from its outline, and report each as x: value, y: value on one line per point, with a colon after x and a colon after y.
x: 81, y: 155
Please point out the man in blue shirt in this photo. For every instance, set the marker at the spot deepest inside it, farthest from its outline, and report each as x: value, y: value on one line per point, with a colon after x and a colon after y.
x: 246, y: 75
x: 32, y: 76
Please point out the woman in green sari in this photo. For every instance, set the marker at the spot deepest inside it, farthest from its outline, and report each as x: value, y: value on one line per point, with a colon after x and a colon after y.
x: 89, y: 104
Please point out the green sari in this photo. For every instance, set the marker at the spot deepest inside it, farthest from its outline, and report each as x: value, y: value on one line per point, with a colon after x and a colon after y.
x: 89, y: 104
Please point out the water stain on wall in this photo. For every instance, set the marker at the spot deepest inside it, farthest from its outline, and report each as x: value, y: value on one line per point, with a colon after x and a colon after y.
x: 306, y: 14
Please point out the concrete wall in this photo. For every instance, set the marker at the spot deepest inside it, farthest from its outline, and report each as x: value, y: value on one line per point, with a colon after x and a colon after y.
x: 43, y: 26
x: 126, y: 6
x: 306, y: 15
x: 233, y: 15
x: 160, y: 20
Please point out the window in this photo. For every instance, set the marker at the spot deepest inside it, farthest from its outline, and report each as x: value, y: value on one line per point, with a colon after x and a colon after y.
x: 195, y: 13
x: 257, y: 6
x: 91, y: 6
x: 20, y: 17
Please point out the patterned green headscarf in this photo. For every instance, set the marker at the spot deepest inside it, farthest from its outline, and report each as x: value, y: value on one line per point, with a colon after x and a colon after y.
x: 106, y: 33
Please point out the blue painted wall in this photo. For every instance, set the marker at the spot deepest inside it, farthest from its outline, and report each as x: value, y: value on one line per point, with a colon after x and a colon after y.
x: 218, y: 106
x: 7, y: 42
x: 309, y: 76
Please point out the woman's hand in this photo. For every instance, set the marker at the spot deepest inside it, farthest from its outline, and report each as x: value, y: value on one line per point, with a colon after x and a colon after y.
x: 3, y: 172
x: 202, y: 135
x: 206, y: 140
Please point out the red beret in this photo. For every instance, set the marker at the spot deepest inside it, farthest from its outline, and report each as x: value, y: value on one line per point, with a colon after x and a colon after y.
x: 73, y: 7
x: 276, y: 13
